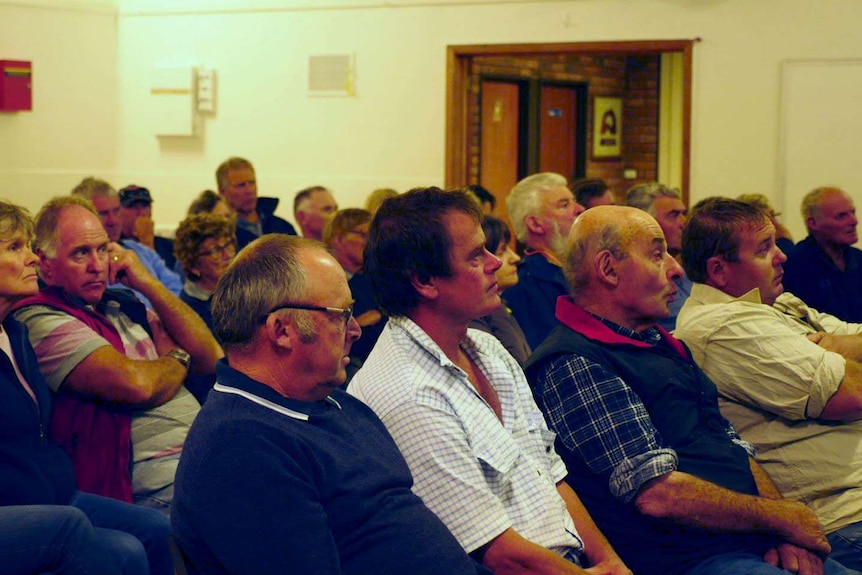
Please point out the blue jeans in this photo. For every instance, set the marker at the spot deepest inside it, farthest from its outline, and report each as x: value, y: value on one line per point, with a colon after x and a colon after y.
x: 149, y: 526
x: 847, y: 546
x: 751, y: 564
x: 56, y: 538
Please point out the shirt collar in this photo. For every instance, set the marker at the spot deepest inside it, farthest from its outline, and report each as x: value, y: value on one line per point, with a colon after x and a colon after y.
x: 604, y: 330
x: 233, y: 382
x: 195, y: 291
x: 707, y: 294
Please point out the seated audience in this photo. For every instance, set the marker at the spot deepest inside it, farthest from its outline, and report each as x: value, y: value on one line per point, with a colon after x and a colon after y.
x: 35, y: 471
x: 107, y: 203
x: 205, y: 244
x: 255, y: 216
x: 136, y: 220
x: 826, y: 270
x: 789, y: 376
x: 209, y: 202
x: 500, y: 323
x: 783, y: 238
x: 312, y: 207
x: 457, y: 403
x: 486, y: 199
x: 107, y: 356
x: 282, y: 472
x: 665, y: 205
x: 345, y: 236
x: 541, y: 209
x: 377, y: 197
x: 665, y: 476
x: 592, y: 192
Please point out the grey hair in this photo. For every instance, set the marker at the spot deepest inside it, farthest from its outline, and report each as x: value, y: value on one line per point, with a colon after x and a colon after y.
x: 524, y: 199
x: 642, y: 196
x: 810, y: 207
x: 265, y: 274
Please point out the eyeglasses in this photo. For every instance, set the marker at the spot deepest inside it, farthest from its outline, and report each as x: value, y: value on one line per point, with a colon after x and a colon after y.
x: 224, y: 249
x: 346, y: 312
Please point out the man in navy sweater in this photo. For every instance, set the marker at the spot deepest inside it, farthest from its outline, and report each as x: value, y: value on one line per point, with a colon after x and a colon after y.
x: 282, y: 471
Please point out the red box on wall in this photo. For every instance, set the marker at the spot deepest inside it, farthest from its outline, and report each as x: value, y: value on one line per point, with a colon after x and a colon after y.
x: 16, y: 91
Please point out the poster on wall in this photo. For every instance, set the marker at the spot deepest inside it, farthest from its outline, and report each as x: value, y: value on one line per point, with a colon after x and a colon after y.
x: 607, y: 128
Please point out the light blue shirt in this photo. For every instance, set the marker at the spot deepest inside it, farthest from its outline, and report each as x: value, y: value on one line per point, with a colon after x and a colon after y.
x: 157, y: 268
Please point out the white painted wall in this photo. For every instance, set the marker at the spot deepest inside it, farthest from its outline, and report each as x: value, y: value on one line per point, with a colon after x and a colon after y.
x: 72, y: 130
x: 392, y: 133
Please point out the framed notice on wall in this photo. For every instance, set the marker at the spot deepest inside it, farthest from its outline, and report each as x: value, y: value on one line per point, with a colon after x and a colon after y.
x: 607, y: 128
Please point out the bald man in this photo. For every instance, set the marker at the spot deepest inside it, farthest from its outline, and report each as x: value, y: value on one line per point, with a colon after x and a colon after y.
x: 825, y: 270
x: 665, y: 476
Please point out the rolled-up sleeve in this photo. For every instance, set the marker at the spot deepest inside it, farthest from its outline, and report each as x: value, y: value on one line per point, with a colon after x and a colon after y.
x: 597, y: 416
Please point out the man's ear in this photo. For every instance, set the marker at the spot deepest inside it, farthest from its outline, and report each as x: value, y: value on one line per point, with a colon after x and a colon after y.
x: 534, y: 224
x: 45, y: 264
x: 716, y: 272
x: 606, y: 268
x: 280, y: 331
x: 425, y: 288
x: 811, y: 223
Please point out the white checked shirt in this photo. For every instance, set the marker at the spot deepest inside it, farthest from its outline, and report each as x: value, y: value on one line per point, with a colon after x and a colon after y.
x: 479, y: 476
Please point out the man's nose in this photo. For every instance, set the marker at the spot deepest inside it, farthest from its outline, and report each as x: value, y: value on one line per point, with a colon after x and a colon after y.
x: 674, y: 270
x: 493, y: 263
x: 354, y: 332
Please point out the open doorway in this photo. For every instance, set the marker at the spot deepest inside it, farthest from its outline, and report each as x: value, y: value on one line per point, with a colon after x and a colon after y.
x: 560, y: 84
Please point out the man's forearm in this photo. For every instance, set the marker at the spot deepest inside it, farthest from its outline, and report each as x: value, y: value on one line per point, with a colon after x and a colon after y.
x: 692, y: 501
x: 185, y: 326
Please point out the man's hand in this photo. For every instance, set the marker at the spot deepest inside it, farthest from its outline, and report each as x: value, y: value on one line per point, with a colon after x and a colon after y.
x: 125, y: 267
x: 144, y: 231
x: 794, y: 559
x: 803, y: 528
x: 848, y: 346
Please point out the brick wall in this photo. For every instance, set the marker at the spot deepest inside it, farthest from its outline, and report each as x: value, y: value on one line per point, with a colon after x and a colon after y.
x: 633, y: 77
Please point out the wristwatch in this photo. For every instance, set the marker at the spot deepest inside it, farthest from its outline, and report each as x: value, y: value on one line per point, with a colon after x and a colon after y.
x: 181, y: 356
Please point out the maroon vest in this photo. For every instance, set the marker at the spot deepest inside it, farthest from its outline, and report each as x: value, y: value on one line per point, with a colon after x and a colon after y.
x: 96, y: 436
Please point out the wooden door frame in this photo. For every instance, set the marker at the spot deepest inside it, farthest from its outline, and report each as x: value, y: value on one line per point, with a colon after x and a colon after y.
x: 459, y: 63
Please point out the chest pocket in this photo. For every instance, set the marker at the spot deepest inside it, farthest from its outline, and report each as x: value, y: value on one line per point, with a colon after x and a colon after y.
x: 498, y: 454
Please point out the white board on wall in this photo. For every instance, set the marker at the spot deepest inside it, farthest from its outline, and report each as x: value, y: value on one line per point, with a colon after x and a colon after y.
x: 821, y: 132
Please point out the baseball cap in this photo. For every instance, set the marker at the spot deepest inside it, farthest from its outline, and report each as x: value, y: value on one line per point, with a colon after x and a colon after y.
x: 132, y: 194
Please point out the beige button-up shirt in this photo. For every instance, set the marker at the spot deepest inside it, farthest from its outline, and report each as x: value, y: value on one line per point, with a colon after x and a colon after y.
x: 774, y: 383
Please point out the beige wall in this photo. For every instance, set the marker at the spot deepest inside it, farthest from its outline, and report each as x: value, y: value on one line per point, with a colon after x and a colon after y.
x: 392, y: 133
x: 72, y: 130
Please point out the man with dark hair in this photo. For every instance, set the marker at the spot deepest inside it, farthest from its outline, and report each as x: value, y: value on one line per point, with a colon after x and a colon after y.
x: 255, y: 216
x: 663, y: 473
x: 485, y: 198
x: 789, y: 376
x: 592, y: 192
x: 826, y: 270
x: 312, y: 208
x: 542, y: 209
x: 282, y: 471
x: 457, y: 403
